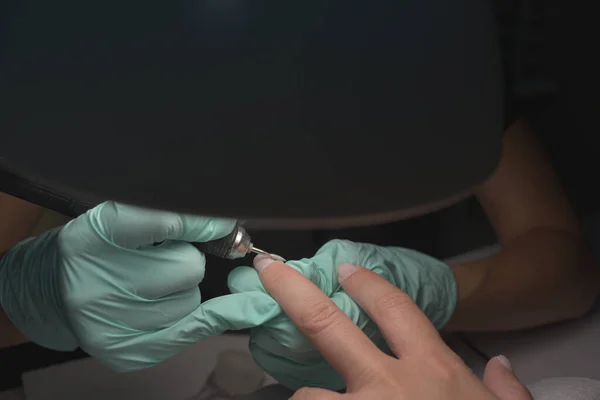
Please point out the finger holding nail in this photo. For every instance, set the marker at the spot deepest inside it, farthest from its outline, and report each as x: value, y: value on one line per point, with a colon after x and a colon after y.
x: 335, y: 335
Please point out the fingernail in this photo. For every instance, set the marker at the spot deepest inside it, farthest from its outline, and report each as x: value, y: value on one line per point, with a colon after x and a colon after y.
x: 261, y: 262
x: 345, y: 270
x: 505, y: 362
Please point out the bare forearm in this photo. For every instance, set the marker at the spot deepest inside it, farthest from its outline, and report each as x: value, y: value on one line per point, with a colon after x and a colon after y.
x: 544, y: 272
x: 18, y: 218
x: 9, y: 334
x: 543, y: 276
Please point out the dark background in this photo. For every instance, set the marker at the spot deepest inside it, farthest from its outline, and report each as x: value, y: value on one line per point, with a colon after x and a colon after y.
x: 552, y: 78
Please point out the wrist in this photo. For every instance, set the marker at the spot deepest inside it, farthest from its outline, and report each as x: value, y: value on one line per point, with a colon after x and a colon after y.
x: 450, y: 295
x: 30, y: 293
x: 469, y: 277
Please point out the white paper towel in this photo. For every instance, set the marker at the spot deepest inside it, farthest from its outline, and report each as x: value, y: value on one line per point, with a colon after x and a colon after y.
x: 176, y: 379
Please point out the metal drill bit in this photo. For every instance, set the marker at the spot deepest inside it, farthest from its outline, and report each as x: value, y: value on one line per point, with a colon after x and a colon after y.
x: 264, y: 253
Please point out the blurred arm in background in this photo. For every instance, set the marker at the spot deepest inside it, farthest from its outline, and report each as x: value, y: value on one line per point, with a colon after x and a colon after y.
x: 544, y: 272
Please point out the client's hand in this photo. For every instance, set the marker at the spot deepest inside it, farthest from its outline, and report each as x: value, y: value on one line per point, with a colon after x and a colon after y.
x: 280, y: 349
x: 423, y: 366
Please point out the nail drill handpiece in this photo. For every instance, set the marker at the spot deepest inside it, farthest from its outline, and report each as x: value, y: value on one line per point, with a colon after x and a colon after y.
x: 235, y: 245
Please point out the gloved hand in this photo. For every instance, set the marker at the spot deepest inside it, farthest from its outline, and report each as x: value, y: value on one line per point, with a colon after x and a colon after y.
x: 288, y: 356
x: 99, y: 283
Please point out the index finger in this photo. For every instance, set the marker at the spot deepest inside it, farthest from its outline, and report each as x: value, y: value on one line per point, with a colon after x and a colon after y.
x: 336, y: 337
x: 132, y: 226
x: 404, y: 326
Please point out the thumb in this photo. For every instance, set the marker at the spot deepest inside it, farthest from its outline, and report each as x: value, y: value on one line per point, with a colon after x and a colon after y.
x: 500, y: 379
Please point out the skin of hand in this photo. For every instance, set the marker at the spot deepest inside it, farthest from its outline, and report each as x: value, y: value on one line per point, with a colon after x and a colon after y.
x: 18, y: 218
x: 544, y: 272
x: 424, y: 367
x: 290, y: 358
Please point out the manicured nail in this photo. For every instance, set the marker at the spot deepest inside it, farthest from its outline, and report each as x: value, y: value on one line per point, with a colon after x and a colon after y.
x: 505, y: 363
x: 345, y: 270
x: 261, y: 262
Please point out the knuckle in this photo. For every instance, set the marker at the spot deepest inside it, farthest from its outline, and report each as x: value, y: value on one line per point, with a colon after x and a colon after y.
x: 67, y: 243
x: 445, y: 367
x: 335, y: 244
x: 375, y: 374
x: 445, y: 372
x: 275, y: 277
x: 173, y: 224
x: 439, y: 372
x: 164, y: 225
x: 394, y: 301
x: 319, y: 317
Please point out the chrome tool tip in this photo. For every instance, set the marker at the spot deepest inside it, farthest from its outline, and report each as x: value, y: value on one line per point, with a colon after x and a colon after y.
x: 264, y: 253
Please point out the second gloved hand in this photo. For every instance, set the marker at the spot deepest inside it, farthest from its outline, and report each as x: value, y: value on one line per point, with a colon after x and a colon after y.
x: 290, y: 358
x: 102, y: 284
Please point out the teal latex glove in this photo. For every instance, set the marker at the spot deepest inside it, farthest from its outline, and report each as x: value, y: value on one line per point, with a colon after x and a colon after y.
x: 288, y: 356
x: 99, y: 283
